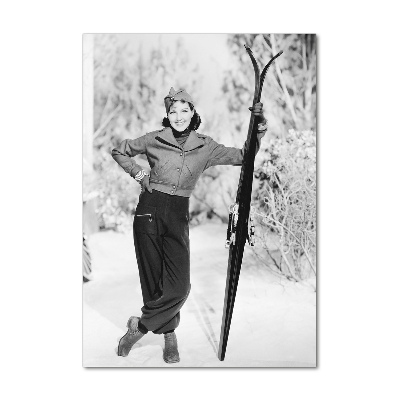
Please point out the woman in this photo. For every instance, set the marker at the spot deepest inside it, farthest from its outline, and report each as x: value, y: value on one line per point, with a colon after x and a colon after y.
x: 177, y: 156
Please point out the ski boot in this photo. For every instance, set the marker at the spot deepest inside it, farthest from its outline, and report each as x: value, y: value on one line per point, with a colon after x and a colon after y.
x: 130, y: 337
x: 171, y: 354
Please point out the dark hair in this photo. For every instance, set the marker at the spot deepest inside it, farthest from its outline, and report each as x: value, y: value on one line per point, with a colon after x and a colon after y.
x: 194, y: 123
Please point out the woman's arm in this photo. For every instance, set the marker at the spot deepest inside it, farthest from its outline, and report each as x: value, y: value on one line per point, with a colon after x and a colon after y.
x: 126, y: 150
x: 221, y: 155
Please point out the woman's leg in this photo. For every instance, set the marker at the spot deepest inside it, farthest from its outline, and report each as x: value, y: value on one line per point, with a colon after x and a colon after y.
x: 148, y: 250
x: 162, y: 251
x: 176, y: 273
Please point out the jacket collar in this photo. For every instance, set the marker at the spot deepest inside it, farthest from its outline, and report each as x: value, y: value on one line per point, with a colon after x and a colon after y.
x: 192, y: 142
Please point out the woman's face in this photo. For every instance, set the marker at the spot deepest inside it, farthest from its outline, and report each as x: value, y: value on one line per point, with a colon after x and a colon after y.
x: 180, y: 115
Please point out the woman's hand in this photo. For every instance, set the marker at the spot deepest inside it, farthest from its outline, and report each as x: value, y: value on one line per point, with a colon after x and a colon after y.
x: 257, y: 110
x: 145, y: 184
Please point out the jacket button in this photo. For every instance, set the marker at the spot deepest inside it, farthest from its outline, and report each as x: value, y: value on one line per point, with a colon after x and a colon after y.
x: 174, y: 186
x: 181, y: 154
x: 178, y: 169
x: 172, y: 191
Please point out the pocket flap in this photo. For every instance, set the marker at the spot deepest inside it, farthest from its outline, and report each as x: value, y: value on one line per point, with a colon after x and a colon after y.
x: 145, y: 220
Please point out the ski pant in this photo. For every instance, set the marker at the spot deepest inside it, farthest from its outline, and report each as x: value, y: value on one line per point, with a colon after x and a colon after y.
x: 161, y: 237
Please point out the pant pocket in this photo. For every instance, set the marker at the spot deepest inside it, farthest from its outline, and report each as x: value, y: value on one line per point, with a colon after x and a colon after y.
x: 145, y: 220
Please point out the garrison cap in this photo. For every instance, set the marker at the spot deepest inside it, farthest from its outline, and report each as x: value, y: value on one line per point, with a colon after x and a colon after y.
x: 174, y: 95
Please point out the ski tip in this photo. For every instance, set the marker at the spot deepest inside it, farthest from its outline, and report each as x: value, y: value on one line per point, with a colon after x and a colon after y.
x: 247, y: 48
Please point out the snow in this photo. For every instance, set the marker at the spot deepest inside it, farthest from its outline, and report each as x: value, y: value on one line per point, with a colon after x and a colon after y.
x: 273, y: 323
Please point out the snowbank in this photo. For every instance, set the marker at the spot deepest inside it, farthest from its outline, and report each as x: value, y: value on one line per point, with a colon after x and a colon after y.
x: 273, y: 324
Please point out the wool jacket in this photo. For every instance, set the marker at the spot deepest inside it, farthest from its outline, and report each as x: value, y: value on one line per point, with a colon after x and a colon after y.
x: 175, y: 169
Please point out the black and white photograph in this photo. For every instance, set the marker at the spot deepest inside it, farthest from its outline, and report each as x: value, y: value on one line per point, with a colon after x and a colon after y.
x: 199, y: 200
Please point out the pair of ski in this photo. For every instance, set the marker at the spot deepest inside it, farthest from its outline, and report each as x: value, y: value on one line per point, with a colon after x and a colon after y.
x: 243, y: 200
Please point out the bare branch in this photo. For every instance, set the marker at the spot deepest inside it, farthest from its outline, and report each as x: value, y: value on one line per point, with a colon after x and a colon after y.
x: 107, y: 120
x: 211, y: 209
x: 283, y: 84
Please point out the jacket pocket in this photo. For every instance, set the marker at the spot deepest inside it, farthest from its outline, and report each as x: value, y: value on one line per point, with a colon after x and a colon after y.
x: 145, y: 220
x: 160, y: 169
x: 189, y: 173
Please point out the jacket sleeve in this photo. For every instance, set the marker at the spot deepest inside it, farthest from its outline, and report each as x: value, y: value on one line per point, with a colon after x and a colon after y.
x: 126, y: 150
x: 221, y: 155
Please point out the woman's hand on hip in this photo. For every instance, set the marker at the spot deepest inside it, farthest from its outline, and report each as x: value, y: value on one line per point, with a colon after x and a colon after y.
x: 145, y: 184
